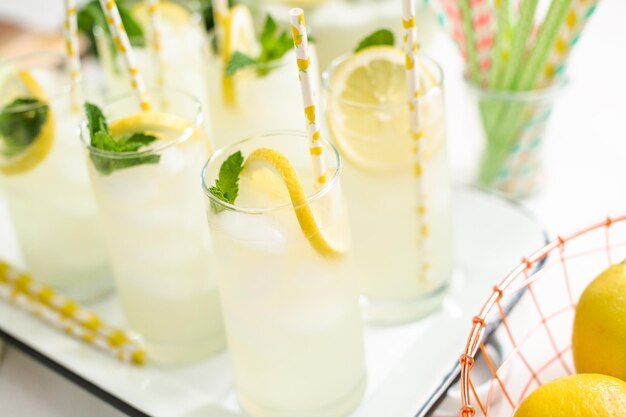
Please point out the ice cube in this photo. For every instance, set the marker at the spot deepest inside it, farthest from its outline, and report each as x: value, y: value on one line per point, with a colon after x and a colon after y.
x: 260, y: 232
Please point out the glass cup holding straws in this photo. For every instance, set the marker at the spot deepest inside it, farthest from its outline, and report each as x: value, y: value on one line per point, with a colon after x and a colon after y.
x: 144, y: 169
x: 367, y: 117
x: 44, y: 178
x: 288, y: 293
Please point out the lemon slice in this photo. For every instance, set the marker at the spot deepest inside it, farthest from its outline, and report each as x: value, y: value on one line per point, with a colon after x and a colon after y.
x: 170, y: 13
x: 263, y: 159
x: 238, y: 35
x: 157, y: 123
x: 41, y: 146
x: 368, y: 112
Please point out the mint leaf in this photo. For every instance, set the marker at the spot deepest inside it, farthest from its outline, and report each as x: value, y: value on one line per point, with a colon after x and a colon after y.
x: 380, y: 37
x: 101, y: 139
x: 226, y: 186
x: 20, y: 124
x: 238, y: 61
x: 274, y: 45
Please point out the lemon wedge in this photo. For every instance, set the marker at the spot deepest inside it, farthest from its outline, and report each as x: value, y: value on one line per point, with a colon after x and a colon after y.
x: 41, y: 146
x: 367, y: 113
x: 264, y: 159
x: 157, y: 123
x: 170, y: 13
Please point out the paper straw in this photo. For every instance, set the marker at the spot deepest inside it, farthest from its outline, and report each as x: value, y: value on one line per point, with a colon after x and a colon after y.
x: 577, y: 17
x: 454, y: 25
x: 122, y: 44
x: 220, y: 14
x: 413, y: 91
x: 484, y: 28
x: 528, y: 76
x: 66, y: 314
x: 497, y: 56
x: 155, y: 27
x: 73, y: 52
x: 523, y: 29
x: 470, y: 41
x: 303, y: 59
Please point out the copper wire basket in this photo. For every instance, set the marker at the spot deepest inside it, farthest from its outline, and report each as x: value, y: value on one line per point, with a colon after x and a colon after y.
x: 544, y: 289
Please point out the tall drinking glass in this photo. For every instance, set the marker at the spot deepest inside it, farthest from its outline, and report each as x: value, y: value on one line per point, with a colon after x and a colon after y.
x: 403, y: 269
x: 291, y: 312
x: 44, y: 177
x: 155, y: 228
x: 265, y: 97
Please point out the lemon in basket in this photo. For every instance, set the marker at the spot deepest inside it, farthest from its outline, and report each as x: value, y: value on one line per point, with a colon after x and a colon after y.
x: 582, y: 395
x: 599, y: 336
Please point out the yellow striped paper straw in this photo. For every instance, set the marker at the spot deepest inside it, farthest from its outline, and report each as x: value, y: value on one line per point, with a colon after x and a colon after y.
x: 67, y: 315
x: 303, y: 59
x: 122, y: 44
x: 413, y: 77
x: 73, y: 52
x: 220, y: 15
x: 155, y: 27
x: 577, y: 17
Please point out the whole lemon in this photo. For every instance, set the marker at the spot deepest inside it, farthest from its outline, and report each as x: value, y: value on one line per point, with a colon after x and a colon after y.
x: 582, y: 395
x: 599, y: 337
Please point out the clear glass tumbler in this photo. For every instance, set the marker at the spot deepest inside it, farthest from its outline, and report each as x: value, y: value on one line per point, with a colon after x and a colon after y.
x: 291, y: 313
x: 44, y: 177
x: 403, y: 272
x: 265, y: 97
x: 154, y: 222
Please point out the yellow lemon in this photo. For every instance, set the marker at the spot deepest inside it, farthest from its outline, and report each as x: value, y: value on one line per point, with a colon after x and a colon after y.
x: 41, y: 146
x: 162, y: 125
x: 263, y: 159
x: 168, y: 12
x: 582, y: 395
x: 367, y: 109
x: 599, y: 336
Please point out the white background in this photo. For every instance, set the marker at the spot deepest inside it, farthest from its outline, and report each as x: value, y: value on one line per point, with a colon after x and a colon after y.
x: 584, y: 158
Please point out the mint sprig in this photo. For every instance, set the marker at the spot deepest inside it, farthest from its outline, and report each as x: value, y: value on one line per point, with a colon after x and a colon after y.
x: 101, y: 138
x: 19, y: 128
x: 91, y: 16
x: 274, y: 45
x: 226, y: 186
x: 377, y: 38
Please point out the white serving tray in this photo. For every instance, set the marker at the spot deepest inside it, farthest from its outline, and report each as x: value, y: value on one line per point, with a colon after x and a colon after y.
x: 406, y: 364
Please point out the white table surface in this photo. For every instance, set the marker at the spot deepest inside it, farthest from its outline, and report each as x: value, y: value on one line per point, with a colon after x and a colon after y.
x: 584, y: 166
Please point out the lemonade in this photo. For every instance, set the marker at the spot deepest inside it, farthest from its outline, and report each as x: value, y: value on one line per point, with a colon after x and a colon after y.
x: 367, y: 117
x: 180, y: 63
x: 155, y: 228
x: 264, y: 96
x: 290, y: 303
x: 45, y: 184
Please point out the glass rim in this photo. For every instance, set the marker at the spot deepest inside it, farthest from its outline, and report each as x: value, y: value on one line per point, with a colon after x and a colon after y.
x: 334, y: 64
x: 151, y: 150
x: 321, y: 192
x: 63, y: 92
x: 537, y: 94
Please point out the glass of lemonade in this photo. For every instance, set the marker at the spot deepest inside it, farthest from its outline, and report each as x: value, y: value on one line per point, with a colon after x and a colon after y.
x: 44, y: 177
x: 403, y: 270
x: 290, y: 303
x: 154, y: 222
x: 180, y: 64
x: 245, y: 103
